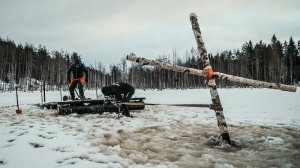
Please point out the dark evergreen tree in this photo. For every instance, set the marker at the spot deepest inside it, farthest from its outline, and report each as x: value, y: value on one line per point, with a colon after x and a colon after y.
x: 291, y: 56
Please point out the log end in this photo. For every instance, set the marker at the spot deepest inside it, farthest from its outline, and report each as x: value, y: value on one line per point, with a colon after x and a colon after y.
x: 287, y: 88
x: 129, y: 56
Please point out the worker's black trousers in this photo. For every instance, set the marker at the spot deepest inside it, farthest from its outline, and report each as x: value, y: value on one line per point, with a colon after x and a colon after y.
x: 73, y: 85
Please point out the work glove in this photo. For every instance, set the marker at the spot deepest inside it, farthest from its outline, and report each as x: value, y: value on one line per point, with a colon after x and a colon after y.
x: 69, y: 81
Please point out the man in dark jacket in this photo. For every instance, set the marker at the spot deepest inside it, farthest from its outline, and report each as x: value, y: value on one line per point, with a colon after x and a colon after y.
x: 78, y: 79
x: 121, y: 91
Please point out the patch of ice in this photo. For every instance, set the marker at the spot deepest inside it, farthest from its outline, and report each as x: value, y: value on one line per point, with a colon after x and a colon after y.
x: 269, y: 140
x: 219, y: 165
x: 208, y: 157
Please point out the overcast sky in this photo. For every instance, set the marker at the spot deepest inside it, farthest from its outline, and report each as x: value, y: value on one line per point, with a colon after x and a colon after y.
x: 107, y: 30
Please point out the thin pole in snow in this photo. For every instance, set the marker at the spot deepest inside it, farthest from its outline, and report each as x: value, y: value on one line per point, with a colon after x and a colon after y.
x: 60, y: 92
x: 96, y: 90
x: 44, y: 90
x: 18, y: 111
x: 42, y: 93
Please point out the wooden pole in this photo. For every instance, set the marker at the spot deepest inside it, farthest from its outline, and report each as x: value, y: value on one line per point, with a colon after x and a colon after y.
x: 42, y: 93
x: 207, y: 69
x: 61, y: 99
x: 44, y: 90
x: 96, y: 90
x: 18, y: 111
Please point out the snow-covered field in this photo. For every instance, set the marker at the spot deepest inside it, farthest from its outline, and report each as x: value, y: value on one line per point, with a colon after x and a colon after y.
x: 266, y: 123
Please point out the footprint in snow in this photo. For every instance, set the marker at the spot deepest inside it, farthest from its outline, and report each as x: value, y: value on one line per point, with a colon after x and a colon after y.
x: 36, y: 145
x: 63, y: 149
x: 11, y: 140
x: 2, y: 162
x: 6, y: 146
x: 46, y: 136
x: 51, y: 133
x: 72, y: 160
x: 22, y: 133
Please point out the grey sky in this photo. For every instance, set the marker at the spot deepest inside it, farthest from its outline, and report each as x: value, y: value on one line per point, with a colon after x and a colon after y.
x: 107, y: 30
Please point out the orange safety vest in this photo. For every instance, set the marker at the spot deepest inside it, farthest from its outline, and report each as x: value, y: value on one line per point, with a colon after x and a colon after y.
x: 81, y: 79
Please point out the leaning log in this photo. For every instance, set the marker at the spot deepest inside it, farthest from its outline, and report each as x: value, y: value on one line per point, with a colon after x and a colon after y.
x: 208, y: 71
x: 231, y: 78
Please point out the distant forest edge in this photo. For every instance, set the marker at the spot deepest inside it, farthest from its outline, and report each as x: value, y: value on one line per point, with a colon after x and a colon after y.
x: 27, y: 66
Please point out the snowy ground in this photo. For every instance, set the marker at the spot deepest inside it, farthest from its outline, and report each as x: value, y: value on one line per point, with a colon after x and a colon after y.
x: 266, y: 123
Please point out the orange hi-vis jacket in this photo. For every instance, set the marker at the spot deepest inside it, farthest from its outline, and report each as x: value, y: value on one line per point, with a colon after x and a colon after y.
x: 81, y: 79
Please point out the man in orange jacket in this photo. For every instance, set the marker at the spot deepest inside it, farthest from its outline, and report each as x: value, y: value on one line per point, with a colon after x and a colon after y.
x: 78, y: 79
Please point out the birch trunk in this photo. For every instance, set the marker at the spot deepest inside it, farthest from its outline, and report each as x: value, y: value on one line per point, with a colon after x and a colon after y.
x: 216, y: 103
x: 241, y: 80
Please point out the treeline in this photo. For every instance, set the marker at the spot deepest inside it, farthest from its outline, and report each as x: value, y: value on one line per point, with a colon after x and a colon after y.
x: 275, y: 62
x: 29, y: 67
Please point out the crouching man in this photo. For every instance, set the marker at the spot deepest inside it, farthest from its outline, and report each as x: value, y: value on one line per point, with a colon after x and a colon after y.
x: 121, y: 91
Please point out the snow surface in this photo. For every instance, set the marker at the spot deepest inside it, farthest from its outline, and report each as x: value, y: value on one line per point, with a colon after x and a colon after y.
x: 264, y: 122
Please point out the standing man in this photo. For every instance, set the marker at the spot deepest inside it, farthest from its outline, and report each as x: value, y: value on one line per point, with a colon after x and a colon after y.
x: 78, y: 79
x: 121, y: 91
